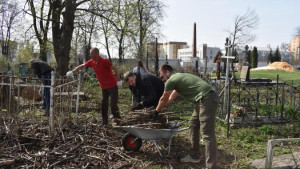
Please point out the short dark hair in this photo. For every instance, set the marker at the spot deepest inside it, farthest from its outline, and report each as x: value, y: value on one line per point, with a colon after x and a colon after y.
x: 139, y: 63
x: 127, y: 75
x: 96, y: 50
x: 166, y: 67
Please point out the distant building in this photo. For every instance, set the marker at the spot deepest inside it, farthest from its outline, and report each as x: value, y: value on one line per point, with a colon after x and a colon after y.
x: 204, y: 54
x: 295, y: 47
x: 167, y: 50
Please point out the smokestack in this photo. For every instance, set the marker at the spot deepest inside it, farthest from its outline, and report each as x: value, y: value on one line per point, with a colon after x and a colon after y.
x: 194, y: 42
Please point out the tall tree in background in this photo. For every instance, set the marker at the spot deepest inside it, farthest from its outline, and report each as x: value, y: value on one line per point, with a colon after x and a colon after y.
x: 248, y: 55
x: 243, y: 25
x: 85, y: 28
x: 41, y: 15
x: 9, y: 11
x: 148, y: 16
x: 254, y: 57
x: 277, y: 55
x: 124, y: 16
x: 270, y: 56
x: 115, y: 25
x: 107, y: 32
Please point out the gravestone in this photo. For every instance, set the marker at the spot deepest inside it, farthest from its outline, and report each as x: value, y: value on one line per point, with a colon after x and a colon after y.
x: 245, y: 73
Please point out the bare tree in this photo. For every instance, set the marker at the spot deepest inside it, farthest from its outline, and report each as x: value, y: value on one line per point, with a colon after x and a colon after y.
x: 243, y: 25
x: 149, y: 13
x: 107, y: 33
x: 9, y: 12
x: 124, y: 15
x: 284, y: 46
x: 85, y: 26
x: 115, y: 25
x: 41, y: 24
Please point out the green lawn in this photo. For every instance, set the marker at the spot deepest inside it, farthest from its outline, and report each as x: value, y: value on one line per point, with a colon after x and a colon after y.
x: 272, y: 74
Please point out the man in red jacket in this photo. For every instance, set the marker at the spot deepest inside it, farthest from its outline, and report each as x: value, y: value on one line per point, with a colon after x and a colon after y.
x: 107, y: 81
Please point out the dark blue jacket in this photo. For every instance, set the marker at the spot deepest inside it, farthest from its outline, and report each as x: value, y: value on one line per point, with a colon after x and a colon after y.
x: 41, y: 68
x: 148, y: 89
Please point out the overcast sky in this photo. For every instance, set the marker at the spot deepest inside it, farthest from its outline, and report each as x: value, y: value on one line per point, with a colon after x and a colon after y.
x: 278, y: 20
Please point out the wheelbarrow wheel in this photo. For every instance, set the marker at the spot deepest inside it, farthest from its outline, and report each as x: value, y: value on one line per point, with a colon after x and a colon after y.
x: 131, y: 142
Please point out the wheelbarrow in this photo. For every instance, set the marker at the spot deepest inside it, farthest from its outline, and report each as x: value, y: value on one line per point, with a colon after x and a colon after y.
x: 132, y: 140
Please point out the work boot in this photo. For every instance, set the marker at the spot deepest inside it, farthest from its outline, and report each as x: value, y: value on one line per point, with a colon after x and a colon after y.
x: 189, y: 159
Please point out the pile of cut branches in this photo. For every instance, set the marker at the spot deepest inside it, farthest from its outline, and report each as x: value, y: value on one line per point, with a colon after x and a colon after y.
x: 72, y: 145
x: 81, y: 143
x: 142, y: 118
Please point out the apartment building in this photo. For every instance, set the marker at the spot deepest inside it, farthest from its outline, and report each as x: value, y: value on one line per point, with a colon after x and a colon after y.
x: 167, y: 50
x: 295, y: 47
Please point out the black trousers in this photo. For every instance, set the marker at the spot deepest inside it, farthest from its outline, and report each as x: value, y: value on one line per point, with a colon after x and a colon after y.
x: 113, y: 94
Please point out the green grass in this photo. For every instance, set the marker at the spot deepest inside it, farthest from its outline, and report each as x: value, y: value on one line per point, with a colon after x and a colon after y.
x: 285, y: 76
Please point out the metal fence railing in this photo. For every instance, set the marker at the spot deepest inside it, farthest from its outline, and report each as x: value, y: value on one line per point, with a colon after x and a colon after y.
x: 22, y: 97
x: 258, y: 102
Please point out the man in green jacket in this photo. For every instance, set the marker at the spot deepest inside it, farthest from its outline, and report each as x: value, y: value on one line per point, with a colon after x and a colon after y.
x: 206, y: 100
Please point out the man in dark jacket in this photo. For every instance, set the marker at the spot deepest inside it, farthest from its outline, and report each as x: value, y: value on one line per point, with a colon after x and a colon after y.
x: 146, y: 89
x: 43, y: 71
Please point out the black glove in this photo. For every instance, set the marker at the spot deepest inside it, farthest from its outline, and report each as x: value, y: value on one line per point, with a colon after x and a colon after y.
x: 137, y: 107
x: 154, y: 115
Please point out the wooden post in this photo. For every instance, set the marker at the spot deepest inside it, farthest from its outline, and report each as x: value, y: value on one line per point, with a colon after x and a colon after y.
x: 269, y: 157
x: 51, y: 124
x: 78, y: 90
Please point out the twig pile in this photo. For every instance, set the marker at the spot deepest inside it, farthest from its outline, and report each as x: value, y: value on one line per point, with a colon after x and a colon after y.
x: 84, y: 143
x: 142, y: 118
x: 73, y: 145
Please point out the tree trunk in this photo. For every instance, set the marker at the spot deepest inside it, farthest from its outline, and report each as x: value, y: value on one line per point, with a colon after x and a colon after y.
x: 43, y: 52
x: 62, y: 34
x: 121, y: 50
x: 156, y: 58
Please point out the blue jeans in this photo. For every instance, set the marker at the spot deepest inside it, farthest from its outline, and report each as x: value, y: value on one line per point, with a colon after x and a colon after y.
x: 46, y: 93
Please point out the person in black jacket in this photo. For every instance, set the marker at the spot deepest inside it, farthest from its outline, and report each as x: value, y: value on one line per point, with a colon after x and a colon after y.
x: 146, y: 89
x: 43, y: 71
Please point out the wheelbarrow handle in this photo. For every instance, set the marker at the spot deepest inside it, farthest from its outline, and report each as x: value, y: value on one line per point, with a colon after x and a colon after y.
x: 180, y: 123
x: 181, y: 129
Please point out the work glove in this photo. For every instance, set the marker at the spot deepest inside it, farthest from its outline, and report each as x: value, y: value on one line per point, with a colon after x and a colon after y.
x: 69, y: 74
x: 154, y: 114
x: 119, y: 83
x: 137, y: 107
